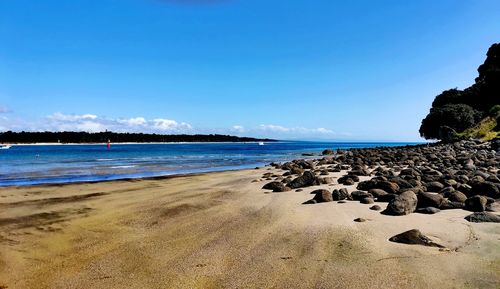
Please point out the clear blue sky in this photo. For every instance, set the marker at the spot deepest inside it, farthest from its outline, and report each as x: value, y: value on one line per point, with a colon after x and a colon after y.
x: 297, y: 69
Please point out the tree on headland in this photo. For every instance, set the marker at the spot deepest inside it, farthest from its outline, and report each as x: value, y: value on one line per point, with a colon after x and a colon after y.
x: 456, y: 113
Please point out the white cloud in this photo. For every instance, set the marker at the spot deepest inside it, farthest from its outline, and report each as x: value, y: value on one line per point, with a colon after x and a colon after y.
x: 135, y: 121
x: 238, y: 129
x: 70, y: 117
x: 170, y: 125
x: 92, y: 123
x: 272, y: 127
x: 295, y: 130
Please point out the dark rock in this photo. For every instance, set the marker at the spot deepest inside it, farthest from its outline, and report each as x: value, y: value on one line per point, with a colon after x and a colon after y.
x: 476, y: 204
x: 389, y: 187
x: 434, y: 187
x: 375, y: 208
x: 341, y: 194
x: 482, y: 217
x: 377, y: 192
x: 457, y: 196
x: 428, y: 210
x: 359, y: 195
x: 276, y: 187
x: 327, y: 152
x: 386, y: 198
x: 341, y: 202
x: 488, y: 189
x: 449, y: 205
x: 310, y: 202
x: 429, y: 200
x: 359, y: 220
x: 325, y: 180
x: 322, y: 196
x: 403, y: 204
x: 307, y: 179
x: 367, y: 200
x: 414, y: 237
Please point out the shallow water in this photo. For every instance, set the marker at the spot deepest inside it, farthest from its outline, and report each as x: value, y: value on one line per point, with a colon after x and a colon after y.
x: 38, y: 164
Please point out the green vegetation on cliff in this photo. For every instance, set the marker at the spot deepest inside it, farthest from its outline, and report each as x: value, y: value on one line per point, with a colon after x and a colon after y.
x: 470, y: 113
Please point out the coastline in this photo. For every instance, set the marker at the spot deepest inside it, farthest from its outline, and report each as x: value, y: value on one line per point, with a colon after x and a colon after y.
x: 221, y: 230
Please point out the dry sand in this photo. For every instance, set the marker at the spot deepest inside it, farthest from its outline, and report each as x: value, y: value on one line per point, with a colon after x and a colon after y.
x: 220, y: 230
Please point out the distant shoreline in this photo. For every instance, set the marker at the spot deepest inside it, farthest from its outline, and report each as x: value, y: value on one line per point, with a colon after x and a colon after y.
x: 136, y: 143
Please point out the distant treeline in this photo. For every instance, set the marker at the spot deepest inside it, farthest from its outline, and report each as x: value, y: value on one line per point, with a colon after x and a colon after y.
x: 101, y: 137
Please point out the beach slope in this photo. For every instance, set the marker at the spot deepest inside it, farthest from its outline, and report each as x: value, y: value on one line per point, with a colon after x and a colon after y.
x: 220, y: 230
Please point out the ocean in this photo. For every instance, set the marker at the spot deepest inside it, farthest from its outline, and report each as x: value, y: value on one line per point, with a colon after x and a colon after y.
x: 43, y: 164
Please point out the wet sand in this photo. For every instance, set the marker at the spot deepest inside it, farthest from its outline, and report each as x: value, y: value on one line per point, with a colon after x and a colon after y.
x: 220, y: 230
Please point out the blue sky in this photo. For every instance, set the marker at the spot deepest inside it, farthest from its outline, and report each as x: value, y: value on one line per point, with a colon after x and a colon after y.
x: 297, y: 69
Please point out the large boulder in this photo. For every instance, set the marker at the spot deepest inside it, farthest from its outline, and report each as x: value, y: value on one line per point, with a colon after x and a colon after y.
x: 476, y: 203
x: 307, y: 179
x: 403, y: 204
x: 429, y: 200
x: 322, y: 196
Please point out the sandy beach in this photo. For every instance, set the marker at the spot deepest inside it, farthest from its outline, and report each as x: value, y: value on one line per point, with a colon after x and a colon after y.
x: 220, y: 230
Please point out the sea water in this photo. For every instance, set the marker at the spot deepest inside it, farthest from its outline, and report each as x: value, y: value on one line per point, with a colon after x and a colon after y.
x: 39, y: 164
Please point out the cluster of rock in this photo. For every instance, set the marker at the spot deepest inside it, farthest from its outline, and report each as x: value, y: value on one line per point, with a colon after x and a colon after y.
x: 423, y: 178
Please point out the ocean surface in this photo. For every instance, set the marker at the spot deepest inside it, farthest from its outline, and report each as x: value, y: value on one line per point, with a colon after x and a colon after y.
x: 39, y: 164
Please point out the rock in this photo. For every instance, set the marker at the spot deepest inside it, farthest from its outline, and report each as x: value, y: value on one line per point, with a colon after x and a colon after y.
x: 375, y: 208
x: 296, y: 171
x: 377, y: 192
x: 310, y: 202
x: 483, y: 217
x: 299, y: 190
x: 428, y: 210
x: 434, y: 187
x: 359, y: 195
x: 349, y: 182
x: 476, y: 204
x: 457, y: 196
x: 403, y: 204
x: 429, y: 200
x: 341, y: 202
x: 327, y: 152
x: 325, y: 180
x: 488, y: 189
x: 367, y: 200
x: 341, y: 194
x: 448, y: 205
x: 386, y: 198
x: 322, y: 196
x: 305, y: 180
x: 389, y: 187
x: 414, y: 237
x: 359, y: 220
x: 276, y: 187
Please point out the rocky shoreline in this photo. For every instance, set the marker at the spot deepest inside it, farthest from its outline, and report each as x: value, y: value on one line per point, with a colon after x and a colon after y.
x: 422, y: 179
